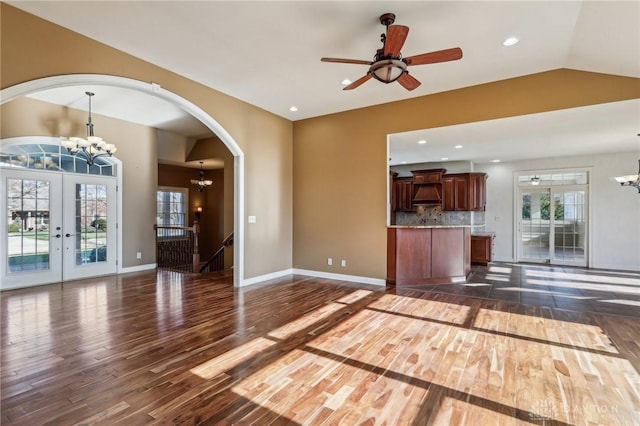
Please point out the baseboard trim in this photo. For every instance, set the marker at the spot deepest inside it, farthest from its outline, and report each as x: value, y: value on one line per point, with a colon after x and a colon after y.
x: 138, y: 268
x: 341, y: 277
x: 266, y: 277
x: 316, y: 274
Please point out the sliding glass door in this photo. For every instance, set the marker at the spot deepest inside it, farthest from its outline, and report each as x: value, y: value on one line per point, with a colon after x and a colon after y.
x: 552, y: 224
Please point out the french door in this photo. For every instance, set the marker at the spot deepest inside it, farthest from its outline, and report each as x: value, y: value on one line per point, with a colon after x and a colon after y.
x: 552, y: 225
x: 56, y: 227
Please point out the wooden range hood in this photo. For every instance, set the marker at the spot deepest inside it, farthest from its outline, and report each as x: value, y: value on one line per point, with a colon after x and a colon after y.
x: 427, y: 186
x: 428, y: 194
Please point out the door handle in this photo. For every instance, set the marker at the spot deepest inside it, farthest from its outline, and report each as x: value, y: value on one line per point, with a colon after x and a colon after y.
x: 57, y: 236
x: 69, y: 235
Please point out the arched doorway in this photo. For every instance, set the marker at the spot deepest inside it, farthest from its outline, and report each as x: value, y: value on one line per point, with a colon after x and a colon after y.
x: 153, y: 89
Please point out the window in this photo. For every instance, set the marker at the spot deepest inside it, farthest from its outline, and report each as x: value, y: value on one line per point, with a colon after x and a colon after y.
x: 50, y: 157
x: 171, y: 211
x: 554, y: 179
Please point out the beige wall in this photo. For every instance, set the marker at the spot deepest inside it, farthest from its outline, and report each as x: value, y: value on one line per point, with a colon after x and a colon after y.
x: 33, y: 48
x: 340, y: 160
x: 28, y: 117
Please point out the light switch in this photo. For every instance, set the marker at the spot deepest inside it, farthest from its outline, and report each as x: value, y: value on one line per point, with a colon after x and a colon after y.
x: 252, y: 219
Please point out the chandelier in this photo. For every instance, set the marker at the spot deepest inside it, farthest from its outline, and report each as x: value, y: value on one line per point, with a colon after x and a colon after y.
x: 201, y: 183
x: 630, y: 180
x: 90, y: 148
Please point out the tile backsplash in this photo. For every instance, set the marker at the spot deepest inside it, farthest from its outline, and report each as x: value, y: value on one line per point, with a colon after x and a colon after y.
x: 434, y: 215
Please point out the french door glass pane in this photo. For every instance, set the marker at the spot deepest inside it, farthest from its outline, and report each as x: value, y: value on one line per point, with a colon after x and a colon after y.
x: 570, y: 226
x: 28, y: 243
x: 91, y: 223
x: 535, y: 227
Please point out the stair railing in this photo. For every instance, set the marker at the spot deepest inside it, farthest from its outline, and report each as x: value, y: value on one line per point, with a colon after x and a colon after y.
x: 177, y: 247
x: 216, y: 262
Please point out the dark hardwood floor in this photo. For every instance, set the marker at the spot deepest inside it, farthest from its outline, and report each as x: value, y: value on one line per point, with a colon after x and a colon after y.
x: 517, y: 344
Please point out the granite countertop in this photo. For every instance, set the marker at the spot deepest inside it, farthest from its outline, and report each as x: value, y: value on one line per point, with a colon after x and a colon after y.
x: 484, y: 234
x: 431, y: 226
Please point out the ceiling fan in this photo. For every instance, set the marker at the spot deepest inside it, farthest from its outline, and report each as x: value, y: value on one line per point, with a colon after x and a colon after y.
x: 388, y: 65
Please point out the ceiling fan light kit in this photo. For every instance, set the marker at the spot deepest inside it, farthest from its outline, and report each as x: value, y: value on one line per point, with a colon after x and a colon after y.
x: 389, y: 65
x: 388, y: 70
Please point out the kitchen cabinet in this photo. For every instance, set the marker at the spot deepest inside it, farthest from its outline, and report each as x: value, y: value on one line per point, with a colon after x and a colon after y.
x: 464, y: 192
x: 455, y: 192
x: 428, y: 176
x: 477, y: 191
x: 402, y: 194
x: 481, y: 249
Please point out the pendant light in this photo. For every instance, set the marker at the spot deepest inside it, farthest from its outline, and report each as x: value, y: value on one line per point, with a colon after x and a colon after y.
x: 93, y: 146
x: 201, y: 183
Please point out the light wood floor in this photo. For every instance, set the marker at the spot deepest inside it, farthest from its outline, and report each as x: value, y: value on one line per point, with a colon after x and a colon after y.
x: 174, y: 349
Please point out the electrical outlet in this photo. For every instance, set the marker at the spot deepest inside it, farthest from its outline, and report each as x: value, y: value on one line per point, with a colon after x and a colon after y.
x: 343, y: 263
x: 138, y: 255
x: 329, y: 261
x: 252, y: 219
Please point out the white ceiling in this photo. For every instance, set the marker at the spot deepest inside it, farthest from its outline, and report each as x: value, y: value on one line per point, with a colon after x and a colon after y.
x: 268, y: 53
x: 595, y: 129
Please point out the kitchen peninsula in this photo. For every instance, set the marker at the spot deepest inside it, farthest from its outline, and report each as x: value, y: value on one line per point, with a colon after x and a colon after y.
x: 419, y: 255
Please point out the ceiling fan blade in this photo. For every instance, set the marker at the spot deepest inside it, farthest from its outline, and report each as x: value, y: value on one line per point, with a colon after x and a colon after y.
x: 434, y: 57
x: 347, y: 61
x: 358, y: 82
x: 408, y: 82
x: 396, y: 36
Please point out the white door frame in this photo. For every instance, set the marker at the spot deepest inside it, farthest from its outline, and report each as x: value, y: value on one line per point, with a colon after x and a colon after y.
x: 563, y: 188
x: 519, y: 254
x: 154, y: 89
x: 517, y: 205
x: 62, y: 265
x: 71, y: 270
x: 42, y: 276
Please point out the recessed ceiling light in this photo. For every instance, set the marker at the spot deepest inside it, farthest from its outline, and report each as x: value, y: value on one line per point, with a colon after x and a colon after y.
x: 444, y: 158
x: 346, y: 82
x: 458, y: 146
x: 495, y: 161
x: 422, y: 142
x: 510, y: 41
x: 293, y: 108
